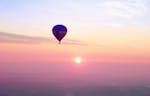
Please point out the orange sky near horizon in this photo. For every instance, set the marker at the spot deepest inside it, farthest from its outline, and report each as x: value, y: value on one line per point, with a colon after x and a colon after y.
x: 47, y: 52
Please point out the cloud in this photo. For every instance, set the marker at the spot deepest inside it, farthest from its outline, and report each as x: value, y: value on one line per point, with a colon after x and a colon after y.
x: 111, y: 24
x: 125, y: 8
x: 17, y: 38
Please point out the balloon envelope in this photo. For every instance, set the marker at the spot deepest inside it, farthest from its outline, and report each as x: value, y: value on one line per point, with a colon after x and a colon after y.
x: 59, y: 31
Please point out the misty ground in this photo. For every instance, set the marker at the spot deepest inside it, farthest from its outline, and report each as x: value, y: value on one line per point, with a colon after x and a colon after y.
x: 76, y: 91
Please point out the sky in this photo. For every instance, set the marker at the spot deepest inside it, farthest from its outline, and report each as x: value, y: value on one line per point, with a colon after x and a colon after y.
x: 111, y: 36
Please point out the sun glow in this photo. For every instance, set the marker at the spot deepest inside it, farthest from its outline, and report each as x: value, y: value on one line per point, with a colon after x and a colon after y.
x: 78, y: 60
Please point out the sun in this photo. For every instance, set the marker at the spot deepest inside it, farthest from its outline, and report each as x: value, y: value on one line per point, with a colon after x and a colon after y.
x: 78, y: 60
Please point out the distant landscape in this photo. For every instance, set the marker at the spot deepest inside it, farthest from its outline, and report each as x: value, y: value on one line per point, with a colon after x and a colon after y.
x: 76, y: 91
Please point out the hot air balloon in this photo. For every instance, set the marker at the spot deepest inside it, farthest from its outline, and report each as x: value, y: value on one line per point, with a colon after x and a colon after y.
x: 59, y: 31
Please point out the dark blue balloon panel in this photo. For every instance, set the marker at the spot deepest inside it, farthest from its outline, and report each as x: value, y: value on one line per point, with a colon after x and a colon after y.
x: 59, y: 31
